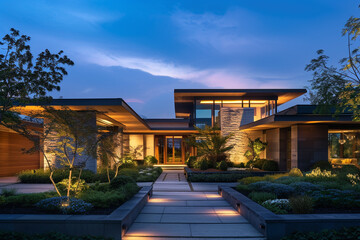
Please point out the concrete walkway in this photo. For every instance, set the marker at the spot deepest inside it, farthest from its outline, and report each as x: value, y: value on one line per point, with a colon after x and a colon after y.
x: 179, y: 210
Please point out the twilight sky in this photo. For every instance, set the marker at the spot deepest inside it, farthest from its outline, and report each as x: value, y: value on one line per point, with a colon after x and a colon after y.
x: 142, y: 50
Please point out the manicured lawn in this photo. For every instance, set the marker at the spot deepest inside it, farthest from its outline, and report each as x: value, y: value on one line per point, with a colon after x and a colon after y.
x: 317, y: 191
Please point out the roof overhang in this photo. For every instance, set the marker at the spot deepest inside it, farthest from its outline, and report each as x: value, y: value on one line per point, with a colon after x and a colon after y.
x: 110, y: 111
x: 283, y: 121
x: 184, y: 98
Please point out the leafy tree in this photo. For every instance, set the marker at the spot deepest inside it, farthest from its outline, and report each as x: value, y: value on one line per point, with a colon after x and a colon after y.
x: 255, y: 147
x: 338, y: 86
x: 210, y: 144
x: 23, y: 79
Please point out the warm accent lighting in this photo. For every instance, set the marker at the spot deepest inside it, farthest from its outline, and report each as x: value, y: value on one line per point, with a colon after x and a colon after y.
x: 213, y: 195
x: 159, y: 200
x: 226, y: 212
x: 231, y: 101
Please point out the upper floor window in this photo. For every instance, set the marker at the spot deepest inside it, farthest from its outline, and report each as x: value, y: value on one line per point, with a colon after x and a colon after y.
x: 208, y: 112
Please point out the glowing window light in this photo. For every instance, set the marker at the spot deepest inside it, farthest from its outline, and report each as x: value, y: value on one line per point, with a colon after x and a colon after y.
x: 232, y: 101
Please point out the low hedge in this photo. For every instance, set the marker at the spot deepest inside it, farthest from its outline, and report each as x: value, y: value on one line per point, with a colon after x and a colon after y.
x: 43, y: 176
x: 339, y: 234
x: 216, y: 177
x: 46, y: 236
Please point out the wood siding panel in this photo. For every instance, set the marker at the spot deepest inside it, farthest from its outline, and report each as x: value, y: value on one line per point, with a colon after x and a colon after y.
x: 12, y: 158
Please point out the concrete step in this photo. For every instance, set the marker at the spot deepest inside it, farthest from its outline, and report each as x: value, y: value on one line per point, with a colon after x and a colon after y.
x: 190, y: 238
x: 203, y: 230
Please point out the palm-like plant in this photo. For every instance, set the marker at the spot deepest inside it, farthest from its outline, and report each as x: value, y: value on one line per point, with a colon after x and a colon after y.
x: 210, y: 144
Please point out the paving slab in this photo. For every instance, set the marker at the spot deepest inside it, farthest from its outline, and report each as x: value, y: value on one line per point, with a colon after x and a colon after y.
x: 159, y: 230
x: 190, y: 218
x: 148, y: 218
x: 165, y: 202
x: 215, y: 203
x: 153, y: 209
x: 224, y: 230
x: 189, y: 210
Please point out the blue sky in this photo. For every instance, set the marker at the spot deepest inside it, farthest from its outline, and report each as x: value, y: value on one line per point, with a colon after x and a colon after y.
x: 142, y: 50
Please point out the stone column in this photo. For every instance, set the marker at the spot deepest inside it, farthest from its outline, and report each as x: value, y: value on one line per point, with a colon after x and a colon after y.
x: 231, y: 120
x: 51, y: 141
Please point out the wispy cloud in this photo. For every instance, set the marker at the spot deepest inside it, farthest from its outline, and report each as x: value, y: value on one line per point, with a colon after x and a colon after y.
x: 93, y: 17
x: 212, y: 78
x: 227, y: 33
x: 134, y: 100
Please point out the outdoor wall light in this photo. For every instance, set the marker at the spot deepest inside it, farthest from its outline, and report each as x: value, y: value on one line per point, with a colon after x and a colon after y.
x: 238, y: 207
x: 123, y: 230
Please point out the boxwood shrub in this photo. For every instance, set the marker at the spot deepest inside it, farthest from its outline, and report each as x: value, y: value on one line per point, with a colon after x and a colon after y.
x: 216, y: 177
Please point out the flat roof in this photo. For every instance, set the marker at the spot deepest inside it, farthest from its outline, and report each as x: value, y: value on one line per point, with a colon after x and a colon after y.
x: 110, y: 111
x: 299, y: 114
x: 184, y: 98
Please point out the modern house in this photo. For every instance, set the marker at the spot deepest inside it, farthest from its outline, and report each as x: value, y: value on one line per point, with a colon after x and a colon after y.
x: 296, y: 137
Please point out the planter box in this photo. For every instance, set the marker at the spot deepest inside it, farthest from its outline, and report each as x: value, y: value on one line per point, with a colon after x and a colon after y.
x: 275, y: 226
x: 113, y: 225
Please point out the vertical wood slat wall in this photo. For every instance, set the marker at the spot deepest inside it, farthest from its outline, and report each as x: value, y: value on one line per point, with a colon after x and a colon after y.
x: 12, y: 158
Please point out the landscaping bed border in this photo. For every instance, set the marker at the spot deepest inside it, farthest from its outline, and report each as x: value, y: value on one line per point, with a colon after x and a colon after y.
x: 275, y: 226
x: 113, y: 225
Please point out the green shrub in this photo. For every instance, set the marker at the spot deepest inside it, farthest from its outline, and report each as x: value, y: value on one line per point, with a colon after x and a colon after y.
x: 270, y: 165
x: 281, y: 190
x: 216, y: 177
x: 335, y: 234
x: 239, y: 165
x: 288, y: 180
x: 46, y: 236
x: 301, y: 204
x: 64, y: 205
x: 269, y: 177
x: 222, y: 166
x: 318, y: 173
x: 243, y: 189
x: 323, y: 165
x: 25, y: 200
x: 43, y: 176
x: 191, y: 161
x: 259, y: 163
x: 295, y: 172
x: 249, y: 180
x: 7, y: 192
x: 75, y: 188
x: 201, y: 164
x: 277, y: 206
x: 120, y: 181
x: 103, y: 187
x: 261, y: 197
x: 150, y: 160
x: 303, y: 187
x: 134, y: 173
x: 113, y: 198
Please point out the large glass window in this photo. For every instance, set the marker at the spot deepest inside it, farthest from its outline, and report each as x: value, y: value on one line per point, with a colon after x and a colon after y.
x: 344, y: 144
x: 203, y: 113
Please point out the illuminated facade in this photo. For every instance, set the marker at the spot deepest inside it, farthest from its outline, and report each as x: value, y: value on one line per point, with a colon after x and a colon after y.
x: 296, y: 136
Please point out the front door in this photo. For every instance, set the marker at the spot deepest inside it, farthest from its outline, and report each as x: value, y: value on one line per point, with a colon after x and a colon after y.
x: 170, y: 149
x: 174, y: 150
